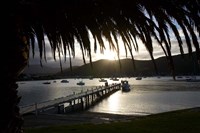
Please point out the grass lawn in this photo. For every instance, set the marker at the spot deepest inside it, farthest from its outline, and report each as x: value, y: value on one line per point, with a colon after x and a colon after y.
x: 182, y: 121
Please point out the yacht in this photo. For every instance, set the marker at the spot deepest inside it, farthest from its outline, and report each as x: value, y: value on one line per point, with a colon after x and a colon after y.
x: 138, y: 78
x: 115, y: 79
x: 102, y: 80
x: 80, y: 83
x: 64, y: 81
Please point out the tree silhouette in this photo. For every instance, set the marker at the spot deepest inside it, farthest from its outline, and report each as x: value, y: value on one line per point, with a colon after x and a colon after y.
x: 25, y: 22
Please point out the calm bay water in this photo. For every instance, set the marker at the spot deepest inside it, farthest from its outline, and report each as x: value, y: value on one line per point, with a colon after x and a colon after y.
x: 147, y: 96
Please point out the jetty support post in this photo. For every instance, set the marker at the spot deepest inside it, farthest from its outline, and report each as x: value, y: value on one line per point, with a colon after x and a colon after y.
x: 36, y: 110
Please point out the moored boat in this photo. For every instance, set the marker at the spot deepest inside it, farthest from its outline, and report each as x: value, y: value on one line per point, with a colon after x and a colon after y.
x: 115, y: 79
x: 47, y: 82
x: 138, y: 78
x: 80, y: 83
x: 102, y: 80
x: 64, y: 81
x: 125, y: 86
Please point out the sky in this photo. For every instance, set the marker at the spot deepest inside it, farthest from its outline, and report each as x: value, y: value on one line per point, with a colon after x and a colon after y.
x: 141, y: 54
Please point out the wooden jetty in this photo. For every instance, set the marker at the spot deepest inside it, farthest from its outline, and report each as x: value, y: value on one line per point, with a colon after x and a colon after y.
x: 73, y: 102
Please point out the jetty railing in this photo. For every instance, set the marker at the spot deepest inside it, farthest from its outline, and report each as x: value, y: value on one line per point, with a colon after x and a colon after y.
x: 84, y: 98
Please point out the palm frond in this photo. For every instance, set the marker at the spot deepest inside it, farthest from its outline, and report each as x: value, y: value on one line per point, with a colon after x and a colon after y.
x: 63, y: 21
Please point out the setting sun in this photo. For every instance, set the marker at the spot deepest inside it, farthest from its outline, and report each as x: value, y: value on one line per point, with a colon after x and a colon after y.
x: 109, y: 55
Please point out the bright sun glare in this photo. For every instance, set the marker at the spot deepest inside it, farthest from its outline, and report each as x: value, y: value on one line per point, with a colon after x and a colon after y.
x: 109, y: 55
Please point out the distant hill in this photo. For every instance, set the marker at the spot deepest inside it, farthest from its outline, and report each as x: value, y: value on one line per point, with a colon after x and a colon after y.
x: 108, y: 68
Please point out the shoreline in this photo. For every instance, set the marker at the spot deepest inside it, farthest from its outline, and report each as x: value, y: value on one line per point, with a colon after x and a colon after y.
x: 85, y: 117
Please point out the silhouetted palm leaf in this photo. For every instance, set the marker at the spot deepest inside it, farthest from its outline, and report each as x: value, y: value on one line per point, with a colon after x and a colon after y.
x: 63, y: 21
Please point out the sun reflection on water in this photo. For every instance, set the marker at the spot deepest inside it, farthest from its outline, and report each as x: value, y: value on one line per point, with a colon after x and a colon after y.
x: 113, y: 103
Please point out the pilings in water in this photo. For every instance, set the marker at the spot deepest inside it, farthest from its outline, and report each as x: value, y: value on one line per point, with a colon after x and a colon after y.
x: 90, y: 99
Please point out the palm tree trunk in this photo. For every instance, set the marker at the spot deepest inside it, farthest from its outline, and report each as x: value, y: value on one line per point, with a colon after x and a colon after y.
x: 14, y: 61
x: 11, y: 121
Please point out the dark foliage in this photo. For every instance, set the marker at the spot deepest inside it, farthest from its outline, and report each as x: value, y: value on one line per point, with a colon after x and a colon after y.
x: 64, y: 21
